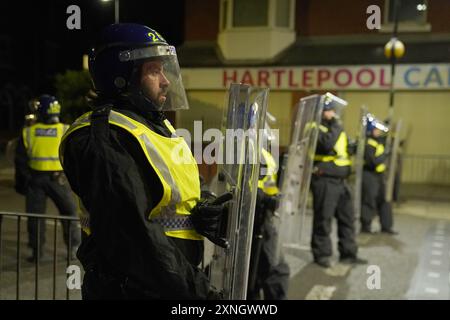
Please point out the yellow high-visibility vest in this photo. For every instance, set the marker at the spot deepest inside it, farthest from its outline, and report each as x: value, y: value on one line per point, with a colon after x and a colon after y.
x: 379, y: 150
x: 341, y: 159
x: 269, y: 183
x: 175, y: 167
x: 42, y: 143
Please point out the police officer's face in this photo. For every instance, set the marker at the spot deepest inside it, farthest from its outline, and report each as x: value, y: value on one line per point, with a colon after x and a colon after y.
x: 154, y: 83
x: 376, y: 132
x: 329, y: 114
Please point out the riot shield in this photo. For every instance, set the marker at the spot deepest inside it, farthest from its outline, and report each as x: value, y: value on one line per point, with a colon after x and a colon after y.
x: 297, y: 174
x: 339, y: 104
x: 392, y: 162
x: 243, y: 123
x: 359, y: 162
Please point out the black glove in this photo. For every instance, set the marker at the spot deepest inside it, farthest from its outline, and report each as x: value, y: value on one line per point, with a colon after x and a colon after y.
x: 272, y: 202
x: 213, y: 294
x: 207, y: 219
x: 352, y: 146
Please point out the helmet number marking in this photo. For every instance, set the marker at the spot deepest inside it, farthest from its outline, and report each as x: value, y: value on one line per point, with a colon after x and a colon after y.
x: 154, y: 36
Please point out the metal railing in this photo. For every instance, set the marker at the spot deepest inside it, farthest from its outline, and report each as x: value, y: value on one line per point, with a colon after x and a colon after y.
x: 7, y: 235
x: 425, y: 169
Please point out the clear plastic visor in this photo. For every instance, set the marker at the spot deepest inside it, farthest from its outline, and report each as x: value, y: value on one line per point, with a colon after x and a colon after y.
x: 160, y: 78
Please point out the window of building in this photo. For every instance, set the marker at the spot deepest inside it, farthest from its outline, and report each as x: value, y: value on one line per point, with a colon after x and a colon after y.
x: 412, y: 15
x: 237, y: 14
x: 255, y: 29
x: 409, y: 11
x: 250, y: 13
x: 283, y: 13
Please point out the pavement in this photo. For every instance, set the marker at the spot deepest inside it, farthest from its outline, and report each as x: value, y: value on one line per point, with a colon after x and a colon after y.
x: 415, y: 264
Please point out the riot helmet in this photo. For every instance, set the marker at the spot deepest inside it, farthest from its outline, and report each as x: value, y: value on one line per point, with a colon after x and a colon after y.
x: 374, y: 123
x: 48, y: 108
x: 135, y: 63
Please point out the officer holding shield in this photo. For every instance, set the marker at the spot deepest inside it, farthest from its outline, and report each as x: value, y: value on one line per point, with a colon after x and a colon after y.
x: 373, y: 184
x: 331, y: 194
x: 138, y: 183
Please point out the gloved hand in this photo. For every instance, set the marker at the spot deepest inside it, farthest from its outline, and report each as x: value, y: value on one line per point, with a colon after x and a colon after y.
x: 272, y: 202
x: 213, y: 294
x: 352, y: 146
x: 207, y: 218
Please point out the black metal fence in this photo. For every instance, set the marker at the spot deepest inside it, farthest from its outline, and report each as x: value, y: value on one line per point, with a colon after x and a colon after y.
x: 35, y: 278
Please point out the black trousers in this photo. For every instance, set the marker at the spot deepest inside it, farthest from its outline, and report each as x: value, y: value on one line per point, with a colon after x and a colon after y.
x: 56, y: 187
x: 373, y: 200
x: 332, y: 198
x: 271, y: 276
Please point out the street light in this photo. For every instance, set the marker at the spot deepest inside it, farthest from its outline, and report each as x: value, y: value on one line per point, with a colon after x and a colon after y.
x: 393, y: 50
x: 116, y: 10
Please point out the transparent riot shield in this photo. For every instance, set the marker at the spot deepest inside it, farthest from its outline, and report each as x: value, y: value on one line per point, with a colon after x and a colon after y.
x: 359, y: 162
x: 243, y: 123
x: 392, y: 162
x: 297, y: 174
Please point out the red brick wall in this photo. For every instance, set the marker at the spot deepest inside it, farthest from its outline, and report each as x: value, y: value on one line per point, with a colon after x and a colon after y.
x: 202, y: 20
x: 438, y: 15
x: 332, y: 17
x: 313, y: 17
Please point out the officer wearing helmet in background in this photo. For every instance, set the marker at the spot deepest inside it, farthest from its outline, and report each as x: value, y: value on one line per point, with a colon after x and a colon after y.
x: 30, y: 118
x: 38, y: 165
x: 373, y: 184
x: 142, y: 217
x: 331, y: 194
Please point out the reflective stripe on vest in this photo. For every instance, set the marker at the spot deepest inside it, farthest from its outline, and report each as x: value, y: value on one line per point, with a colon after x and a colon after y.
x: 341, y: 159
x: 42, y: 142
x: 178, y: 176
x: 269, y: 183
x: 379, y: 150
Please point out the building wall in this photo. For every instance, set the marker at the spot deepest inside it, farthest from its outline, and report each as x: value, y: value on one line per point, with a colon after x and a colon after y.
x: 331, y: 17
x: 425, y: 123
x: 425, y: 113
x: 313, y: 18
x: 438, y: 11
x: 202, y: 20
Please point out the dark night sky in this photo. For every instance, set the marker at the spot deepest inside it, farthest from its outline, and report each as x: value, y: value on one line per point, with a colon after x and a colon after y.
x: 40, y: 45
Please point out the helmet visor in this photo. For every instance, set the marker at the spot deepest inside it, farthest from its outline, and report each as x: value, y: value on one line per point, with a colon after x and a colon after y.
x: 332, y: 102
x: 160, y: 79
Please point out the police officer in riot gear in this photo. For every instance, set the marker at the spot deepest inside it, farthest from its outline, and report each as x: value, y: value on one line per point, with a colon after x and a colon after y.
x: 373, y: 184
x: 331, y: 194
x: 142, y: 216
x: 38, y: 166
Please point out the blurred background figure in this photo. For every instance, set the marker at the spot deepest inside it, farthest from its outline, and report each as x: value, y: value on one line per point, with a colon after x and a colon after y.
x: 266, y: 273
x: 373, y: 184
x: 39, y: 173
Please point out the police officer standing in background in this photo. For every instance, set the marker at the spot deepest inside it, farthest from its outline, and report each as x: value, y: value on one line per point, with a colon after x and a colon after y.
x: 37, y: 163
x: 331, y: 194
x: 142, y: 219
x: 373, y: 184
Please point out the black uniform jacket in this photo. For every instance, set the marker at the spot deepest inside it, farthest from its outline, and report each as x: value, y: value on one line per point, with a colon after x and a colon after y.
x: 108, y: 170
x: 325, y: 146
x: 370, y: 160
